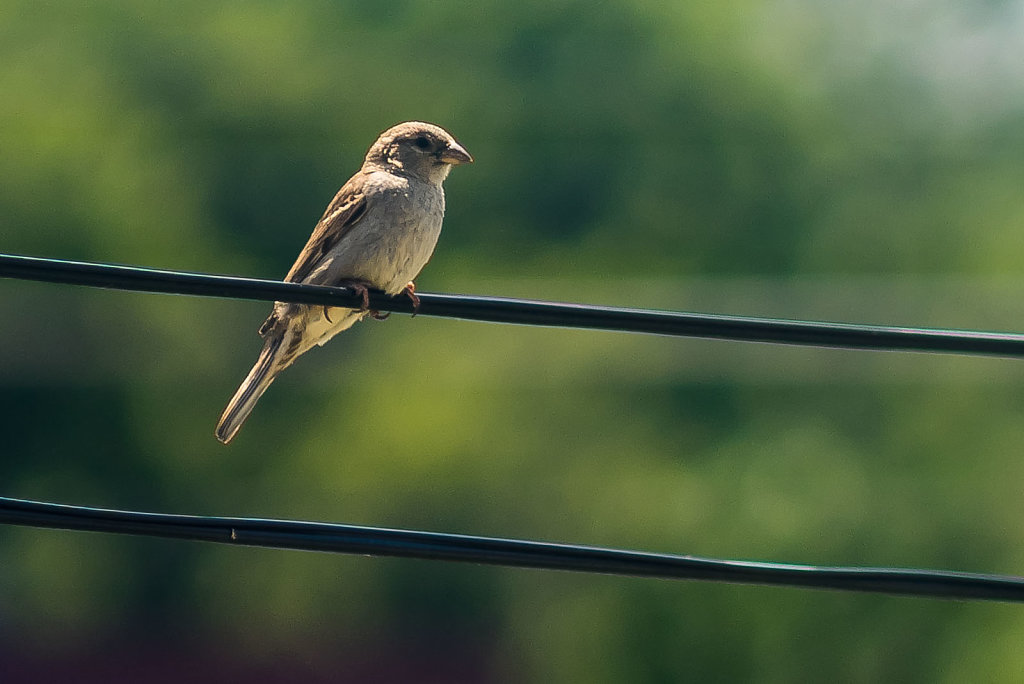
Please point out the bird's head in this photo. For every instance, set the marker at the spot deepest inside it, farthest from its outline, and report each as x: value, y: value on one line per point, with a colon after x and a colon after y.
x: 420, y: 149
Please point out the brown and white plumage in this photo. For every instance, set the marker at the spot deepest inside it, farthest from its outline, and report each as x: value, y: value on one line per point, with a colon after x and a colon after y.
x: 379, y: 231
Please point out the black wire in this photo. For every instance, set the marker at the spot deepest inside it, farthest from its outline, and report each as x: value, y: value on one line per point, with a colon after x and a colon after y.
x: 524, y: 312
x: 372, y: 541
x: 510, y: 552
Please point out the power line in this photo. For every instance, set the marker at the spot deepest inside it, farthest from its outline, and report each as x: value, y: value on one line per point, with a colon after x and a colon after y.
x: 374, y: 541
x: 525, y: 312
x: 510, y: 552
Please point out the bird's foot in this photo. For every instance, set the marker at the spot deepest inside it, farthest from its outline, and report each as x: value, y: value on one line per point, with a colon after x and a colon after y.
x: 410, y: 292
x: 361, y: 288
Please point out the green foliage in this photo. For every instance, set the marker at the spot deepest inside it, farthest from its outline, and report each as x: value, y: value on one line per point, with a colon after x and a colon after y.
x: 788, y: 159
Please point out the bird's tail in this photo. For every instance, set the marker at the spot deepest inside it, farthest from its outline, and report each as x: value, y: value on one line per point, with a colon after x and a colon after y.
x: 252, y: 388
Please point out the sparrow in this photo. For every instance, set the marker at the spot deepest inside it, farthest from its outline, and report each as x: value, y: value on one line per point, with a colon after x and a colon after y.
x: 378, y: 232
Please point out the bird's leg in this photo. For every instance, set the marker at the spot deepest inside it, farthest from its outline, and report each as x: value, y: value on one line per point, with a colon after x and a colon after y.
x: 410, y: 292
x: 361, y: 288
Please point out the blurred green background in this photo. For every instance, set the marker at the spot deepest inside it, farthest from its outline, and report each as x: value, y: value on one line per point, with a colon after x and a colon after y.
x: 855, y: 161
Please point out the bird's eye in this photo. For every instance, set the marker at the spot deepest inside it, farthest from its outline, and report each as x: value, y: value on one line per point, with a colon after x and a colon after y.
x: 421, y: 142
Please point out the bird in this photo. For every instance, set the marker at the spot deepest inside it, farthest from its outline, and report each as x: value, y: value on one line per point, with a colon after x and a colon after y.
x: 378, y: 232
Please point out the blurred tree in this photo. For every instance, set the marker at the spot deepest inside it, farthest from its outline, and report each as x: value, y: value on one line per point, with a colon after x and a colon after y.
x: 844, y: 160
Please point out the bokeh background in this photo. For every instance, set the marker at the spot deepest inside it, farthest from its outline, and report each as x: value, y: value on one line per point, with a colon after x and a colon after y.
x: 855, y: 161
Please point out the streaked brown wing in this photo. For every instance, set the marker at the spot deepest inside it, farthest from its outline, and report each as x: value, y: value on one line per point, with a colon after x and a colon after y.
x: 348, y: 206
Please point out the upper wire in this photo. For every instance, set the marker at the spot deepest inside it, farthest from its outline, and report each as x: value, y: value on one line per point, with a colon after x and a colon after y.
x: 525, y: 312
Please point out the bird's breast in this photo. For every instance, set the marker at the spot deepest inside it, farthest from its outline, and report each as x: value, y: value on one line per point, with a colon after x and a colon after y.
x: 394, y: 239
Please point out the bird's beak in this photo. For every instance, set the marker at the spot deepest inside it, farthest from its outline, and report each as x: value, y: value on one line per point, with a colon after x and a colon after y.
x: 456, y: 154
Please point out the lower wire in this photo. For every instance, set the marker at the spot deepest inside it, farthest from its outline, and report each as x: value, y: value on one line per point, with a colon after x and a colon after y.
x: 374, y: 541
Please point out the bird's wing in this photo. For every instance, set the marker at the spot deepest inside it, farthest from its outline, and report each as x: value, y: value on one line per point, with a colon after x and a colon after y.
x: 348, y: 206
x: 344, y: 211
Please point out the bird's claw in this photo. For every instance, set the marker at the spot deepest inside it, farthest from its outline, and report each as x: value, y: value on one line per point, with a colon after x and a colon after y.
x: 410, y: 292
x: 361, y: 288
